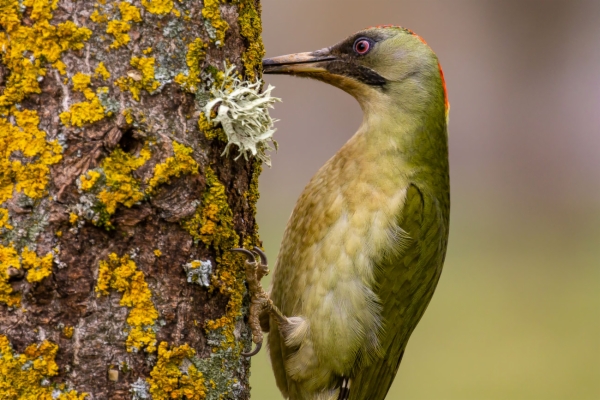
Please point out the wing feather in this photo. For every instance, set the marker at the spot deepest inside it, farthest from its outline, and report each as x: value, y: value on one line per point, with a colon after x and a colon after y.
x: 410, y: 277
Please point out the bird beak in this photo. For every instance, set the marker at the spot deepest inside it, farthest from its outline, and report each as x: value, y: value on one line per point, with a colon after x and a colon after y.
x: 299, y: 64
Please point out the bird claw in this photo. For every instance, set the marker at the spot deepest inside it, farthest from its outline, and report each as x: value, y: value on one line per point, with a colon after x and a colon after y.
x: 255, y: 351
x: 259, y: 299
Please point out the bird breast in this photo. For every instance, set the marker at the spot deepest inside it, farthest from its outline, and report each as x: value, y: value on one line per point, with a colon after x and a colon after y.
x: 345, y: 220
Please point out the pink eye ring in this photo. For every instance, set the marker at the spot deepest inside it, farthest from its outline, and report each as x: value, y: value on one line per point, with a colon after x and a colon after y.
x: 362, y: 46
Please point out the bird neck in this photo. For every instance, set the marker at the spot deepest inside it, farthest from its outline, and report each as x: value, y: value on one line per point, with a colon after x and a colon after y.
x: 405, y: 123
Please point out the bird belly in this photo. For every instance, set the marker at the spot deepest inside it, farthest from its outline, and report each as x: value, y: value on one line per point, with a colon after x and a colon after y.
x: 325, y: 279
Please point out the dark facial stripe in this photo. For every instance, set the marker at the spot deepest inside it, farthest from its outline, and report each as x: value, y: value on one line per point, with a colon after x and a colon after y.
x: 355, y: 71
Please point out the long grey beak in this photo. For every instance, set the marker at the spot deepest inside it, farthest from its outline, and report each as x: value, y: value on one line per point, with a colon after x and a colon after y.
x: 298, y: 63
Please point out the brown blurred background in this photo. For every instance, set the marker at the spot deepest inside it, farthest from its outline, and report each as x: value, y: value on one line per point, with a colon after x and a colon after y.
x: 517, y: 311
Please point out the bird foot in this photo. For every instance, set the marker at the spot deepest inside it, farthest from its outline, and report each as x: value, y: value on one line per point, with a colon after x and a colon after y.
x: 259, y: 299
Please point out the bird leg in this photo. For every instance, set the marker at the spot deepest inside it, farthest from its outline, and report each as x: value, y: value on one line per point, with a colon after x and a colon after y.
x: 259, y: 299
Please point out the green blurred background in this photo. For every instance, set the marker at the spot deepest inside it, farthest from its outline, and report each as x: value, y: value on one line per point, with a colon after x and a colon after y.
x: 517, y: 311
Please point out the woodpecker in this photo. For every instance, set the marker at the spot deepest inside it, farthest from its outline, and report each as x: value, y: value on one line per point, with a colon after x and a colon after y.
x: 364, y: 247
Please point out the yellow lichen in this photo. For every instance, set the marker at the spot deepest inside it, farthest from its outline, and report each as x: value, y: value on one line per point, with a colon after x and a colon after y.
x: 194, y: 57
x: 122, y: 275
x: 147, y: 50
x: 212, y: 224
x: 73, y: 218
x: 38, y: 268
x: 129, y: 12
x: 4, y: 219
x: 251, y: 29
x: 211, y: 132
x: 168, y: 381
x: 86, y: 112
x: 25, y: 49
x: 181, y: 163
x: 22, y: 375
x: 119, y: 30
x: 9, y: 258
x: 212, y: 13
x: 157, y: 253
x: 141, y: 79
x: 60, y: 67
x: 89, y: 179
x: 68, y: 331
x: 121, y: 186
x: 128, y: 115
x: 98, y: 17
x: 81, y: 82
x: 29, y: 176
x: 102, y: 71
x: 159, y: 7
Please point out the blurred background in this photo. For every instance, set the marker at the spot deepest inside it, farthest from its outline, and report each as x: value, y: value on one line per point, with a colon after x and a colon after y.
x: 517, y: 312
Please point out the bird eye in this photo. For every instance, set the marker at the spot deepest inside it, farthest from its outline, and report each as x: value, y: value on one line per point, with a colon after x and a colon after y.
x: 362, y: 46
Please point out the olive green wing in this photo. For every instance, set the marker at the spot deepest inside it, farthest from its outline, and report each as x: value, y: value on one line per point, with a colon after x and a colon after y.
x: 407, y: 278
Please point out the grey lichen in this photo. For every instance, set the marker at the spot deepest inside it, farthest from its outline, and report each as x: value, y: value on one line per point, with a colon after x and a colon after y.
x: 140, y: 389
x: 199, y: 272
x: 243, y: 112
x: 220, y: 369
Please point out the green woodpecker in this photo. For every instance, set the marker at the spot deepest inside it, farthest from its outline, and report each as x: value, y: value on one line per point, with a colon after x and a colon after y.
x: 364, y: 247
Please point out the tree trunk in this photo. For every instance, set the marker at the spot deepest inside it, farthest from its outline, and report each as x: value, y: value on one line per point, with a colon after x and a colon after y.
x: 117, y: 209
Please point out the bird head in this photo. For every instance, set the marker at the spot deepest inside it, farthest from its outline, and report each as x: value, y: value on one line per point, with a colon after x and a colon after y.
x: 381, y: 67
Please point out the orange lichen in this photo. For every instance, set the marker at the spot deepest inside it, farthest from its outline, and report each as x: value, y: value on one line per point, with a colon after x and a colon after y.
x: 122, y: 275
x: 140, y: 79
x: 174, y: 376
x: 22, y: 375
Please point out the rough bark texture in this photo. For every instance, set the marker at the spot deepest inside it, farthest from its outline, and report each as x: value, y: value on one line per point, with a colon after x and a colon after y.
x: 117, y: 210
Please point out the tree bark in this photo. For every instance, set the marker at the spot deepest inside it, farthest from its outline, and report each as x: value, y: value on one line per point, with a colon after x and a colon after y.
x: 117, y: 208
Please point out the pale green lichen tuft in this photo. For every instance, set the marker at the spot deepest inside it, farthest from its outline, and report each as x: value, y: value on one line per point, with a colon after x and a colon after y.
x: 243, y: 112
